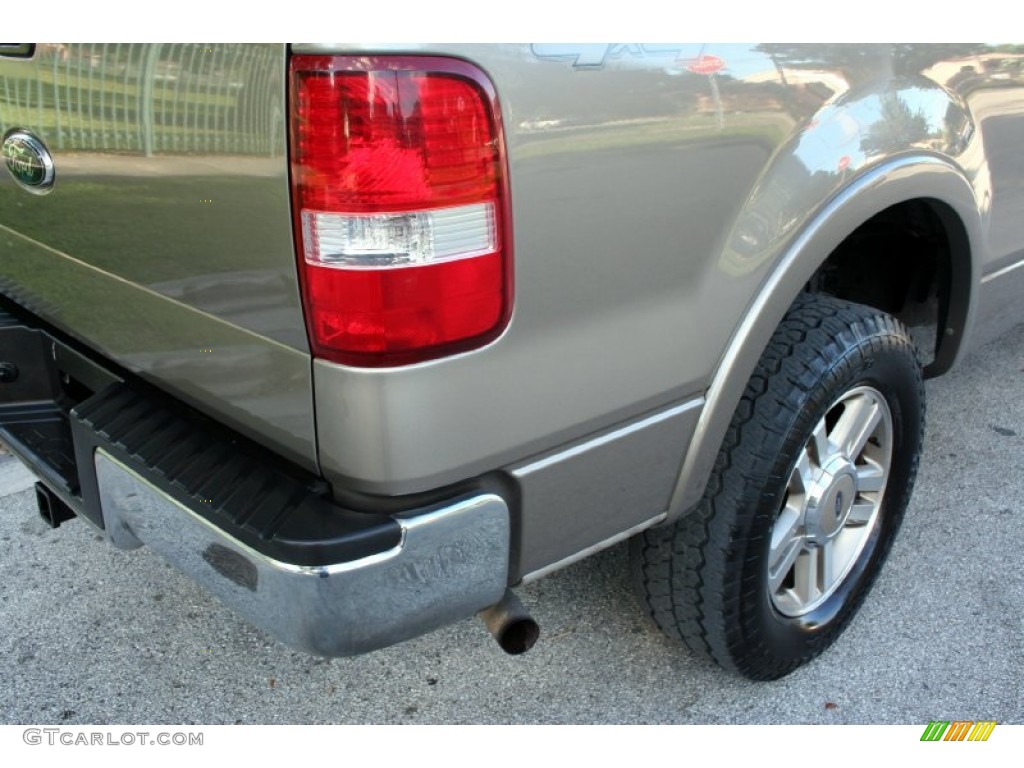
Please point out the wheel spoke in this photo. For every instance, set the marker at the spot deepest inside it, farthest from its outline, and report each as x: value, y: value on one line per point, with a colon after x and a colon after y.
x: 827, y: 557
x: 819, y: 437
x: 787, y: 542
x: 805, y: 576
x: 804, y: 473
x: 860, y: 417
x: 786, y: 557
x: 860, y: 513
x: 870, y: 478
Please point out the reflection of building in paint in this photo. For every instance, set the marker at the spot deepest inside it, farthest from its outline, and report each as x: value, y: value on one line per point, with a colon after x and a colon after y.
x: 984, y: 66
x: 761, y: 85
x: 833, y: 81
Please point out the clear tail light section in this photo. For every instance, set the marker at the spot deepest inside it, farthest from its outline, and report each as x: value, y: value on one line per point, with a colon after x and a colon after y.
x: 400, y: 198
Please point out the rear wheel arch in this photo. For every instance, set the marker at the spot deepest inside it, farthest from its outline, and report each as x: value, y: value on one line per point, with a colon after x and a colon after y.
x: 911, y: 260
x: 934, y: 182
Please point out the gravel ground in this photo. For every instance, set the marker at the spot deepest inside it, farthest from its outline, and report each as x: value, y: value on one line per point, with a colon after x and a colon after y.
x: 94, y: 635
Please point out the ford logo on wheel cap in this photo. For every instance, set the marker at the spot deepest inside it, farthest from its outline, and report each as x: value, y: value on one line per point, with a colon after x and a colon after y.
x: 29, y: 161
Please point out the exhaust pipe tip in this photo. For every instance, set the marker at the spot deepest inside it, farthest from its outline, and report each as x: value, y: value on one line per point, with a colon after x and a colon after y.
x: 519, y: 636
x: 511, y: 625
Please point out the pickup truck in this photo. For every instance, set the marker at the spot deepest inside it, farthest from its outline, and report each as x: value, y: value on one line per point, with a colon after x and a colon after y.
x: 361, y: 338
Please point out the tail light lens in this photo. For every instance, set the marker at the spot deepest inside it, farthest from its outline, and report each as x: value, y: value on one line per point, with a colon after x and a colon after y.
x: 401, y: 207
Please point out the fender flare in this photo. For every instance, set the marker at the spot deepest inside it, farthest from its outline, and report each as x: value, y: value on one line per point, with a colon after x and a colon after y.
x: 897, y: 180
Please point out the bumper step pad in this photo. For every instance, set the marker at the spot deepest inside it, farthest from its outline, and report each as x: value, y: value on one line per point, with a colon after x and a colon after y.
x: 224, y: 479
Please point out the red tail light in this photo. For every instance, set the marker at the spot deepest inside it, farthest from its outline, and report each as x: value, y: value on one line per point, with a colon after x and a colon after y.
x: 399, y: 193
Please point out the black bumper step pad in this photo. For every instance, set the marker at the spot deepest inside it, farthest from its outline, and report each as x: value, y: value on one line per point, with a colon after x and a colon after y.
x: 255, y: 500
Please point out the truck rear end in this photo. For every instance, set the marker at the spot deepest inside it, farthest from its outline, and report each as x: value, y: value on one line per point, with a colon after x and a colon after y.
x: 157, y: 369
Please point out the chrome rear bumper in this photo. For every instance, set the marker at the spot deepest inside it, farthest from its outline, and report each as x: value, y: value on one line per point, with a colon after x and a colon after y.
x: 451, y: 561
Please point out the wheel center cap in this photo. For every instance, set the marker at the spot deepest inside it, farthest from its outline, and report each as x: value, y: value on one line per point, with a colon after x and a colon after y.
x: 830, y: 499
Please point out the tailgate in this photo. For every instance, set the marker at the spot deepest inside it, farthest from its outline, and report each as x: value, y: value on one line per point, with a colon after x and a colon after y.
x: 165, y: 243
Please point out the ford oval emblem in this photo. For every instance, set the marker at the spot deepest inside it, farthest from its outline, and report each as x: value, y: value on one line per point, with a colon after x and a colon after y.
x: 28, y: 160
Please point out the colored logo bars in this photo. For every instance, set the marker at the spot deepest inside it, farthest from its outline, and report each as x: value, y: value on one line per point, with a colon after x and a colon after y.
x: 958, y: 730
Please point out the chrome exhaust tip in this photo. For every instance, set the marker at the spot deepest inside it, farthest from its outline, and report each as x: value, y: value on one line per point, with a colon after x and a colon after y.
x: 511, y: 625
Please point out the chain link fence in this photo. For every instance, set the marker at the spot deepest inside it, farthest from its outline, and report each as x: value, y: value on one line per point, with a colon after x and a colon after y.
x: 149, y: 98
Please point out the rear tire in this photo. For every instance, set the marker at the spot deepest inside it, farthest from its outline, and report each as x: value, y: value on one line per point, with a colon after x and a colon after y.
x: 807, y: 493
